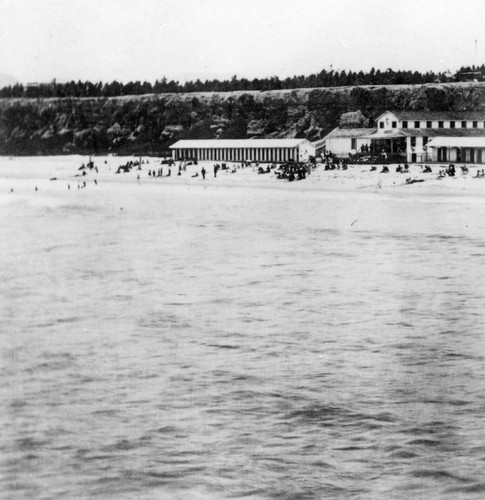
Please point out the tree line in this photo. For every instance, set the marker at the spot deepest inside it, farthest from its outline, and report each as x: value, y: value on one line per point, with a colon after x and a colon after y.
x: 326, y: 78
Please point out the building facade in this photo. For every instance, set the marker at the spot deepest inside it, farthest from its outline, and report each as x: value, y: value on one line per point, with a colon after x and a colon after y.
x: 237, y: 150
x: 421, y: 136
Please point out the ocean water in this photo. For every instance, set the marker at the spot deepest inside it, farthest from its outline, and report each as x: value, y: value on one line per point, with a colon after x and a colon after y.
x: 211, y: 343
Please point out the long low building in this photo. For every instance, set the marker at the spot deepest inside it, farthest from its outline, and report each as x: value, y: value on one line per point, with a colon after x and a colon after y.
x: 260, y: 150
x: 466, y: 149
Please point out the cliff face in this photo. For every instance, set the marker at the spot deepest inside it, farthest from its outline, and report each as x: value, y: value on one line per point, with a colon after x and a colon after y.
x: 150, y: 123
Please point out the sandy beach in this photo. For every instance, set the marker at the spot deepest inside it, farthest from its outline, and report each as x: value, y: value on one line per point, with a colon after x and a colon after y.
x: 22, y: 175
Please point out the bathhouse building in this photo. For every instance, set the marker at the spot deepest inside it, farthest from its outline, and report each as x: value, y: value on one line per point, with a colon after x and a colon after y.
x: 442, y: 136
x: 415, y: 136
x: 236, y: 150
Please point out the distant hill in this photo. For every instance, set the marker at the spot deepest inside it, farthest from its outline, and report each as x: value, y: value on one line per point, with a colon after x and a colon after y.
x: 6, y: 80
x: 150, y: 123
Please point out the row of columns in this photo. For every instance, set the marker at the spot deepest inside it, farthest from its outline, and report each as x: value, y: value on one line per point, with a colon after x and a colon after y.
x: 238, y: 154
x: 465, y: 155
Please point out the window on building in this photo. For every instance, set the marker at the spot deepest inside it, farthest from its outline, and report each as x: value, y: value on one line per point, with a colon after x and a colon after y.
x: 440, y: 125
x: 429, y: 124
x: 353, y: 144
x: 452, y: 124
x: 475, y: 124
x: 381, y: 124
x: 394, y: 124
x: 425, y: 141
x: 404, y: 124
x: 463, y: 124
x: 413, y: 141
x: 416, y: 124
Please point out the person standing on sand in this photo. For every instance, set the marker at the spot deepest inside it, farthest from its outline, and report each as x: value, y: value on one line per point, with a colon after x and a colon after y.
x: 203, y: 172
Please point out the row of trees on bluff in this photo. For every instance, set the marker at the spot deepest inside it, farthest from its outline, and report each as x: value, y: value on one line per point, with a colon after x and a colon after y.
x: 326, y: 78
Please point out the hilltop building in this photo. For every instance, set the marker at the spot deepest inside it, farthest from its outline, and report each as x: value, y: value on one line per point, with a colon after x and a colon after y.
x: 261, y: 150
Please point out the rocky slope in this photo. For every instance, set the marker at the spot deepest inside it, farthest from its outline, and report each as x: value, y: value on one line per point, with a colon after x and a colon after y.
x: 148, y: 124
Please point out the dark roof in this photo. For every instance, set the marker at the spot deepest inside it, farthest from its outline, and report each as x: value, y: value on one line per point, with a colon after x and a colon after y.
x: 349, y: 132
x: 438, y: 115
x: 442, y: 132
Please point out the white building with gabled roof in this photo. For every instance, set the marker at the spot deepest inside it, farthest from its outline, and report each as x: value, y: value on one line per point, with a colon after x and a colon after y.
x: 344, y: 141
x: 420, y: 136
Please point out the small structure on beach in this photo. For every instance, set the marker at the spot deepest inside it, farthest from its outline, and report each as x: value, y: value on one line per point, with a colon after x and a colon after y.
x: 237, y: 150
x: 344, y: 141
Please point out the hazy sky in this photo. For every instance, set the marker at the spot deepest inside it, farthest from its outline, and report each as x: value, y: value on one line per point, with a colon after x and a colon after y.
x: 148, y: 39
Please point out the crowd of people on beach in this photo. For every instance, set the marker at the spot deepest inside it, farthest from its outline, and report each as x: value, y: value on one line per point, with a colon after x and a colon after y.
x: 289, y: 171
x: 293, y: 171
x: 332, y: 162
x: 129, y: 165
